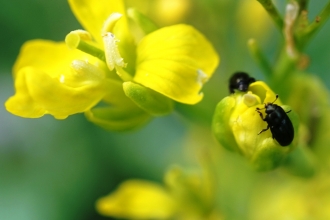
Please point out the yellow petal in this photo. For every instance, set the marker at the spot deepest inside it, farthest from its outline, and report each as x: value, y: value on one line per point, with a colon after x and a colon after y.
x: 176, y: 61
x: 37, y: 93
x: 22, y: 104
x: 92, y: 14
x: 265, y: 93
x: 137, y: 199
x: 47, y: 56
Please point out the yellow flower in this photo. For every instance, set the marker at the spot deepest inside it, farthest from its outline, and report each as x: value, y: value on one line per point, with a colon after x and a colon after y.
x: 48, y: 81
x: 237, y: 126
x: 184, y: 196
x: 136, y: 78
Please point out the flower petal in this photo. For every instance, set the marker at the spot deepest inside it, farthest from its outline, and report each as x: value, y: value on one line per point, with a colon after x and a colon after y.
x: 47, y: 56
x: 137, y: 199
x: 92, y: 14
x: 37, y: 93
x: 176, y: 61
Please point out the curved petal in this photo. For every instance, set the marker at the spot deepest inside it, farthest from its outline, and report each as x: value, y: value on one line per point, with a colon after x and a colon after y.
x: 137, y: 199
x: 176, y: 61
x: 37, y: 94
x: 92, y: 14
x: 22, y: 104
x: 51, y: 57
x: 264, y: 92
x: 47, y: 56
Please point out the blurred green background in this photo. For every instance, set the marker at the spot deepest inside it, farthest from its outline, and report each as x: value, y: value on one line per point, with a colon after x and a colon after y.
x: 51, y: 169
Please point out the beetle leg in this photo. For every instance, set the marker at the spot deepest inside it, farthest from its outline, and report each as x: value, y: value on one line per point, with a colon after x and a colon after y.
x: 263, y: 130
x: 288, y: 111
x: 261, y: 115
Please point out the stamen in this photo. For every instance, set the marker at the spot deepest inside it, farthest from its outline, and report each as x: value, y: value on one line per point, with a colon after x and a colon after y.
x: 74, y: 37
x: 77, y: 40
x: 110, y: 23
x: 112, y: 54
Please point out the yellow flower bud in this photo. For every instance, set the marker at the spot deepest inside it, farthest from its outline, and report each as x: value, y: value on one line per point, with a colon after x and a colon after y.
x: 237, y: 125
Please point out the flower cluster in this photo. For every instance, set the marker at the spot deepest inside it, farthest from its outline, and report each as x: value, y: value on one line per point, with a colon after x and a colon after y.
x: 116, y: 78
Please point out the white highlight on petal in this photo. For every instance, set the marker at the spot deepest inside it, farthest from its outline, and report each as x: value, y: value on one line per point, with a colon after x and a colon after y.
x: 82, y: 73
x: 112, y: 54
x: 62, y: 78
x: 201, y: 77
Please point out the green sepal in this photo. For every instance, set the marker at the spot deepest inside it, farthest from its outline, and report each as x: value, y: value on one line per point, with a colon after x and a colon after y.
x: 301, y: 162
x: 268, y: 157
x: 142, y: 21
x: 220, y: 124
x: 152, y: 102
x: 117, y: 119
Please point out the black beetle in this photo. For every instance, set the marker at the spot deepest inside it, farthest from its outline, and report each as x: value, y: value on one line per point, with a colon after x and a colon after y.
x: 240, y: 81
x: 279, y: 123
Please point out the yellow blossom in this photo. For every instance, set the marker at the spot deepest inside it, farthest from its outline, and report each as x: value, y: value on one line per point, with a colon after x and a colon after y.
x: 107, y: 61
x: 45, y: 86
x: 185, y: 195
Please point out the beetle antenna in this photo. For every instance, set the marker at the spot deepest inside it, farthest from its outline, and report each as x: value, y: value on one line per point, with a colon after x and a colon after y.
x: 275, y: 99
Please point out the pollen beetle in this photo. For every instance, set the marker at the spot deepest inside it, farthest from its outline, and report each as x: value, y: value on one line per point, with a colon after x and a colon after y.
x: 279, y: 123
x: 240, y: 81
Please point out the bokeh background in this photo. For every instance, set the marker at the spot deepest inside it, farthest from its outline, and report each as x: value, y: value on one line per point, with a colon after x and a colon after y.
x: 53, y: 169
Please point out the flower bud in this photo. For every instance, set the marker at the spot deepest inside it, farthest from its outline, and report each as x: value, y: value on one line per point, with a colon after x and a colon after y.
x: 238, y: 126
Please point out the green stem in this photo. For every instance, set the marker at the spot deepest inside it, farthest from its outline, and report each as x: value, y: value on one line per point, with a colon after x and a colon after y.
x: 285, y: 65
x: 303, y: 4
x: 89, y: 49
x: 272, y: 11
x: 260, y: 58
x: 309, y: 32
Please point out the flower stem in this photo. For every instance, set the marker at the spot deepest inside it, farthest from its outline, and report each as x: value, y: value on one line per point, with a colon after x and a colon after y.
x: 272, y: 11
x: 260, y: 58
x: 285, y: 64
x: 94, y: 51
x: 303, y: 4
x: 309, y: 32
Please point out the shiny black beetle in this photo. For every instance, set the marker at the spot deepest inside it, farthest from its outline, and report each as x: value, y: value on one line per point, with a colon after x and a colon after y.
x: 279, y: 123
x: 240, y: 81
